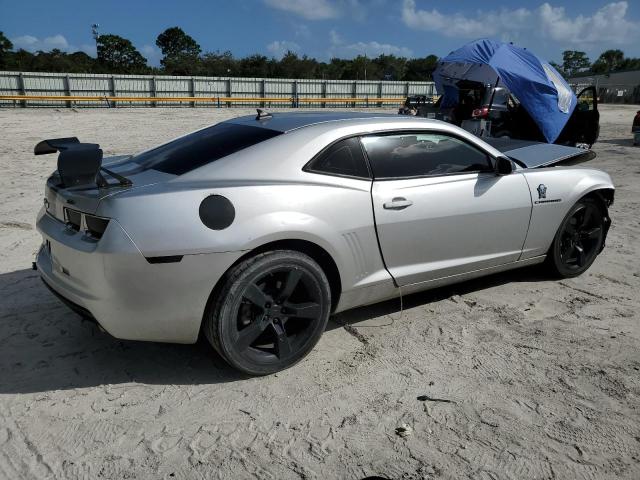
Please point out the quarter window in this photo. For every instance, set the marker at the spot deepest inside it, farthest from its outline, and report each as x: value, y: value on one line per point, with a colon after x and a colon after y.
x: 342, y: 158
x: 422, y: 154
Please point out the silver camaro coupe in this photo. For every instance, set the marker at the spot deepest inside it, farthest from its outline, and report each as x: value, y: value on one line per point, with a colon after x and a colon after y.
x: 255, y: 230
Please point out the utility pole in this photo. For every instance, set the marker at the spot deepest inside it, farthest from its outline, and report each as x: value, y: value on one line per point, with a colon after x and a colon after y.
x: 365, y: 66
x: 96, y: 34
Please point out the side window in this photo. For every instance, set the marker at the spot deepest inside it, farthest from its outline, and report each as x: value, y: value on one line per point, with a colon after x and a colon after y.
x: 586, y: 102
x: 420, y: 154
x: 342, y: 158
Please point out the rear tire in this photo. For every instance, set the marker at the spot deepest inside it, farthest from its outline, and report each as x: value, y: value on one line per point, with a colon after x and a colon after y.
x: 270, y: 312
x: 579, y: 239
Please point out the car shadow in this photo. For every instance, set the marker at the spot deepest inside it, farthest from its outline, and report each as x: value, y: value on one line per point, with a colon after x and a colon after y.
x: 535, y: 273
x: 44, y: 346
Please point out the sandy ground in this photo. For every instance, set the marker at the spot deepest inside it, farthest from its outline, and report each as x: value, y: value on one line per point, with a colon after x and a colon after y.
x: 541, y: 377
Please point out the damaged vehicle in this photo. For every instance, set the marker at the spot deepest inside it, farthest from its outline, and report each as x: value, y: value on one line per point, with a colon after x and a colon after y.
x: 255, y: 230
x: 501, y: 90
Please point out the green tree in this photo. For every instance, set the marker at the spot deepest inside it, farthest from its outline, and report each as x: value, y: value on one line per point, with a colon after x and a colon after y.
x: 292, y: 66
x: 179, y: 50
x: 257, y: 66
x: 574, y: 61
x: 388, y: 67
x: 421, y: 69
x: 216, y: 64
x: 608, y: 61
x: 118, y: 55
x: 5, y: 47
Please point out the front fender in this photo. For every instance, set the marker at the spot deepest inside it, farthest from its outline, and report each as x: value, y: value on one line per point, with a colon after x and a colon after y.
x: 554, y: 191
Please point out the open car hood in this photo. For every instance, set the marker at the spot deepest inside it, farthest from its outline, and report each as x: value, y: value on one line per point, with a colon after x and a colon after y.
x: 536, y: 154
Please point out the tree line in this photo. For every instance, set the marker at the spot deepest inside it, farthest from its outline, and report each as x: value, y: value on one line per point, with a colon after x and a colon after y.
x: 575, y: 62
x: 182, y: 55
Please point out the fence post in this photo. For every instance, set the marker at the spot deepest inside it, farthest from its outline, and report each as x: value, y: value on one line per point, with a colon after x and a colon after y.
x: 406, y: 90
x: 67, y: 89
x: 112, y: 92
x: 229, y: 91
x: 294, y: 94
x: 153, y: 91
x: 263, y: 91
x: 192, y: 90
x: 23, y: 92
x: 354, y: 92
x: 380, y: 93
x: 324, y: 93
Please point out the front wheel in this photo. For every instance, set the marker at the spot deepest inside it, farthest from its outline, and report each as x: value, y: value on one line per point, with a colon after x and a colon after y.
x: 270, y: 312
x: 579, y: 239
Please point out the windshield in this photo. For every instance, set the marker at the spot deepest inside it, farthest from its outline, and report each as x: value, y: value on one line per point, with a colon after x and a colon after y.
x: 202, y: 147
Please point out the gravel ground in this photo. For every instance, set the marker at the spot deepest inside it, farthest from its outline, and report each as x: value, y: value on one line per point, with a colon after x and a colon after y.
x: 541, y: 378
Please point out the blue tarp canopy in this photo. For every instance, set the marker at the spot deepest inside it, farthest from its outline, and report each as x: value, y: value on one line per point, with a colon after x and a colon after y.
x: 539, y: 88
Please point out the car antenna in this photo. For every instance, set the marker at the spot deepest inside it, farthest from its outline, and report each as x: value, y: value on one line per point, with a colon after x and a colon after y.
x: 262, y: 114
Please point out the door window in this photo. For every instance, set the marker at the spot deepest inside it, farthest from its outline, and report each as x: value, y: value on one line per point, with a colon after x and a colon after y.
x: 586, y: 100
x: 344, y: 158
x: 422, y: 154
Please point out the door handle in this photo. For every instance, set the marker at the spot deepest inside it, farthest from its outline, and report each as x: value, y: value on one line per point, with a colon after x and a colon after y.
x: 398, y: 203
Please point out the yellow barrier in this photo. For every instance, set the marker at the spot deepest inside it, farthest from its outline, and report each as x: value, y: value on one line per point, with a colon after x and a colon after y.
x: 61, y: 98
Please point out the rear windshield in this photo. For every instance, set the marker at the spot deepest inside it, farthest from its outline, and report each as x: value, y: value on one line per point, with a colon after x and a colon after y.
x: 202, y: 147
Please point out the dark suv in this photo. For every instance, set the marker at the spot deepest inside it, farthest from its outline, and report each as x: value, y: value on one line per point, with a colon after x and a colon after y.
x: 477, y: 101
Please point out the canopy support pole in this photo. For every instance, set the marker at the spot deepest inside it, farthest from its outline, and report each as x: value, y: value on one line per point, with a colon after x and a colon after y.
x: 493, y: 93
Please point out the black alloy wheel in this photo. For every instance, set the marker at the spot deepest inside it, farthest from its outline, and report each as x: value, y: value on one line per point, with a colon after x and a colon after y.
x: 271, y: 312
x: 579, y: 239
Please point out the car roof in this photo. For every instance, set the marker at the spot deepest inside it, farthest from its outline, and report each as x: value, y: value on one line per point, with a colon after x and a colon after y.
x: 287, y: 121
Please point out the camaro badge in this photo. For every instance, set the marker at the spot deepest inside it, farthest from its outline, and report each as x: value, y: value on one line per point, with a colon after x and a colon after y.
x: 542, y: 191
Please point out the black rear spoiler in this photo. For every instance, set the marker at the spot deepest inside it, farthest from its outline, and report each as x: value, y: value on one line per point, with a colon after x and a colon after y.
x: 79, y: 164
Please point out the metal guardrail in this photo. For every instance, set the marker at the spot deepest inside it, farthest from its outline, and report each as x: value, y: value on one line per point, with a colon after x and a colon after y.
x: 219, y: 100
x: 36, y: 89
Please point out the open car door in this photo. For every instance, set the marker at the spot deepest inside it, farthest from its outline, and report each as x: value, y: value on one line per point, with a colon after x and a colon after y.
x: 586, y: 119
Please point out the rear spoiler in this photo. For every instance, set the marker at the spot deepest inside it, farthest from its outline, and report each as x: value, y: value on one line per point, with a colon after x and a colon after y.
x: 79, y: 164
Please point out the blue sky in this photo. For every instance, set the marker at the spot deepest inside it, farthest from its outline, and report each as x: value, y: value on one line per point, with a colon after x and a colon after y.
x: 326, y: 28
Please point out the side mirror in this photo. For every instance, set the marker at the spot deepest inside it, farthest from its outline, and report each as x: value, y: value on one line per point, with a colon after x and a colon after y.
x: 504, y: 166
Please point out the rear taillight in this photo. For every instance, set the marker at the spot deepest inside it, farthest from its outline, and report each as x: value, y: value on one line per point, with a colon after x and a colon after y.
x: 480, y: 112
x: 73, y: 219
x: 95, y: 225
x: 91, y: 225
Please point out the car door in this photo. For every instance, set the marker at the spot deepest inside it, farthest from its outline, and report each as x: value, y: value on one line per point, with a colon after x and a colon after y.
x: 440, y: 209
x: 588, y: 115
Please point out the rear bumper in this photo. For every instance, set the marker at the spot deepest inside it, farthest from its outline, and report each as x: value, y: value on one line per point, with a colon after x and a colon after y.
x: 115, y: 284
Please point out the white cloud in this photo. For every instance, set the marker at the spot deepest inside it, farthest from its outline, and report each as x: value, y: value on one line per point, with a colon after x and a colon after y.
x: 34, y: 44
x: 323, y: 9
x: 309, y: 9
x: 25, y: 41
x: 152, y: 54
x: 342, y: 49
x: 278, y: 48
x: 609, y: 24
x: 485, y: 23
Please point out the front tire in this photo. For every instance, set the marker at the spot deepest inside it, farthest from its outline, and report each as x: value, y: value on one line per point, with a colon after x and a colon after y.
x: 270, y: 312
x: 579, y: 239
